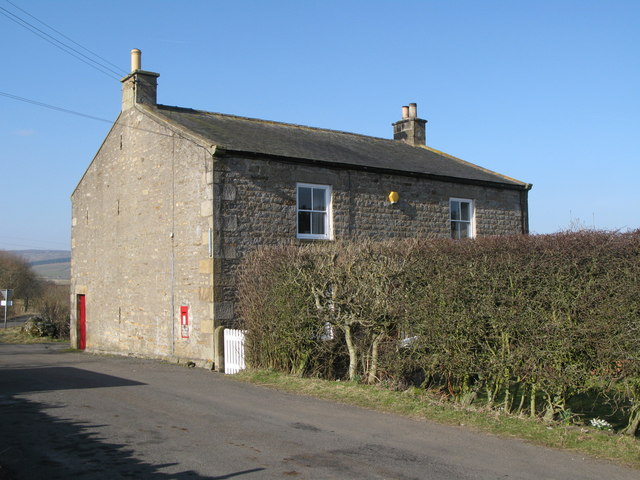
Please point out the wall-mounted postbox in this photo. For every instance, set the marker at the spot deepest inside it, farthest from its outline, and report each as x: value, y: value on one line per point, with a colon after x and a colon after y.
x: 184, y: 321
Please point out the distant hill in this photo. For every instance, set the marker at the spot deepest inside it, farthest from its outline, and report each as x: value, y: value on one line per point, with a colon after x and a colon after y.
x: 52, y: 265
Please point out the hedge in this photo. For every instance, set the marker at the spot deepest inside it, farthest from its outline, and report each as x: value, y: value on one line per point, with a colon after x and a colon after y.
x: 527, y: 324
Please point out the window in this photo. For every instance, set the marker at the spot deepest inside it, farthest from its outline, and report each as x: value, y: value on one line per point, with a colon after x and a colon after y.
x: 314, y: 211
x: 461, y: 214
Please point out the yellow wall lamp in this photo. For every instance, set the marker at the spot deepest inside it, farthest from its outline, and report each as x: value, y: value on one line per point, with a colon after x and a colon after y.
x: 393, y: 197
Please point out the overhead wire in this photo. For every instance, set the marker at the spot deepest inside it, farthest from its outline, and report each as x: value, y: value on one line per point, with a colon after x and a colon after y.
x: 67, y: 49
x: 102, y: 65
x: 52, y: 107
x: 103, y: 68
x: 64, y: 47
x: 80, y: 114
x: 120, y: 71
x: 61, y: 45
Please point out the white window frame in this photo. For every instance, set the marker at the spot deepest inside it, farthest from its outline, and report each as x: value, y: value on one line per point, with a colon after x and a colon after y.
x: 328, y: 230
x: 472, y: 217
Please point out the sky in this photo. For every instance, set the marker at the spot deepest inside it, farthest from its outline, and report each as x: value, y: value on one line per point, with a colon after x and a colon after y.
x: 544, y: 91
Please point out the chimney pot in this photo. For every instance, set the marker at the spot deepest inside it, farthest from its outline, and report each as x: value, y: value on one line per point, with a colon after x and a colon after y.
x: 413, y: 110
x: 405, y: 112
x: 136, y: 63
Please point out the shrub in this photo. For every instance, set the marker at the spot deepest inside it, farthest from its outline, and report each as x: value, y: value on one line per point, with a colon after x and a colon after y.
x: 525, y: 323
x: 53, y: 306
x: 39, y: 327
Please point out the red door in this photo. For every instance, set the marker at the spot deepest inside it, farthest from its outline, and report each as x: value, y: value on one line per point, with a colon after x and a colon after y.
x: 82, y: 323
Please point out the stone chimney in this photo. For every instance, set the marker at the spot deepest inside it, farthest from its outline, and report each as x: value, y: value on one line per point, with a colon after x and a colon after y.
x: 410, y: 129
x: 139, y: 86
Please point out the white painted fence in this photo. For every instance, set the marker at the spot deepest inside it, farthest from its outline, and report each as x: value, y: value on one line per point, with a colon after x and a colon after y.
x: 233, y: 350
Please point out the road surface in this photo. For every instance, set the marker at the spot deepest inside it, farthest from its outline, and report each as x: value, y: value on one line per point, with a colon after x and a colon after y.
x: 79, y: 416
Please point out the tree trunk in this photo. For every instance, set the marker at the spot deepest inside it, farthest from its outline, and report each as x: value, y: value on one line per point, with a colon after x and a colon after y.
x: 532, y: 402
x: 522, y: 396
x: 489, y: 389
x: 373, y: 368
x: 507, y: 395
x: 634, y: 423
x: 353, y: 354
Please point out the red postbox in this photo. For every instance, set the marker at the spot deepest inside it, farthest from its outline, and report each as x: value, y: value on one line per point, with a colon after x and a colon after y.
x: 184, y: 321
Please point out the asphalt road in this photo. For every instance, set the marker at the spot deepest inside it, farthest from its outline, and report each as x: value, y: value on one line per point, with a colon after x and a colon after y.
x: 13, y: 321
x: 78, y: 416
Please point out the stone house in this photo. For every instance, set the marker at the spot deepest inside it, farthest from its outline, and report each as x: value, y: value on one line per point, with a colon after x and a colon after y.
x: 176, y: 197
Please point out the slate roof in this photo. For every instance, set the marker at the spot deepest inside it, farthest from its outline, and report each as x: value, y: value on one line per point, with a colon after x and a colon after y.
x: 329, y: 147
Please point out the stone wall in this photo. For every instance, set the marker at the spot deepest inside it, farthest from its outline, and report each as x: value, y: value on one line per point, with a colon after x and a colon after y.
x: 140, y: 227
x: 258, y: 207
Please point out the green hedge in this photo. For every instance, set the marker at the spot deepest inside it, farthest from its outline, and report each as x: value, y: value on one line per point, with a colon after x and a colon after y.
x: 527, y: 324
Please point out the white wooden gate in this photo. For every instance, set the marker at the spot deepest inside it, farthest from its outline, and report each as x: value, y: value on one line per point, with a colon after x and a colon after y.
x: 233, y: 350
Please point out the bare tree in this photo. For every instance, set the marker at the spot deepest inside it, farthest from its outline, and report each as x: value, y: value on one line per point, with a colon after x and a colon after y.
x: 16, y: 274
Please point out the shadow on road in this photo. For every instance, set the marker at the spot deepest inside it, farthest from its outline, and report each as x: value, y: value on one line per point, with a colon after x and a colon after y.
x: 35, y: 444
x: 40, y: 379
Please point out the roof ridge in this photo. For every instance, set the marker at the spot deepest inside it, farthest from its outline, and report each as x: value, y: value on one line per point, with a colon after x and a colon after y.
x: 275, y: 122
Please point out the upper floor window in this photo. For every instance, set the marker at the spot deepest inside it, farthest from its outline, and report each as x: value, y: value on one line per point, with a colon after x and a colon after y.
x: 314, y: 211
x: 461, y: 216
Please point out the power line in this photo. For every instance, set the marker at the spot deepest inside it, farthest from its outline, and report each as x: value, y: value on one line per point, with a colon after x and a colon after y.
x: 66, y: 48
x: 53, y: 107
x: 61, y: 45
x: 120, y: 70
x: 73, y: 112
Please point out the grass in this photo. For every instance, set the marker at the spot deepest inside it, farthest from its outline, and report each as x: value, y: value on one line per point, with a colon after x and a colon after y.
x: 417, y: 403
x: 15, y: 336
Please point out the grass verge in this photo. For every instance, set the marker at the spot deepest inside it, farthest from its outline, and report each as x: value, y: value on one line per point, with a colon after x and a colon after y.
x: 15, y: 336
x: 418, y: 404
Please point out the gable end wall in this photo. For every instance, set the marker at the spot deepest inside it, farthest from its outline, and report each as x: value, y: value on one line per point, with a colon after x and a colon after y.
x: 140, y: 231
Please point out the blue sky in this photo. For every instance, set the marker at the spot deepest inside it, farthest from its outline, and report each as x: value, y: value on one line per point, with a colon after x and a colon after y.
x: 546, y: 91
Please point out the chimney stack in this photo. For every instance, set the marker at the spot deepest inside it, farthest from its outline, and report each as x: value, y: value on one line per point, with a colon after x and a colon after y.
x: 410, y: 129
x: 139, y: 87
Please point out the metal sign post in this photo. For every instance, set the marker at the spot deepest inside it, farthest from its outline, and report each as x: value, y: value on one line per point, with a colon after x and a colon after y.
x: 6, y: 294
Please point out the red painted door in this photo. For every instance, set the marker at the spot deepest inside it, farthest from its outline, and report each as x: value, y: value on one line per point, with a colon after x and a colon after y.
x: 82, y: 323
